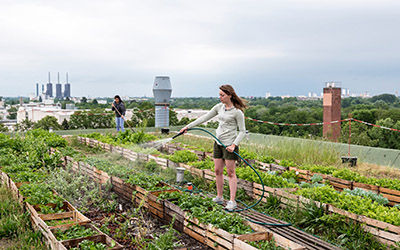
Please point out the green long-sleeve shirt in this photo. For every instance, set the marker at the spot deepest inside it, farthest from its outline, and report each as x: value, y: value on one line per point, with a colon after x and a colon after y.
x: 229, y: 121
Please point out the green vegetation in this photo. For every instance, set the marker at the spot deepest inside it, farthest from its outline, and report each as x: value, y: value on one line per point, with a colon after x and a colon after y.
x: 208, y: 212
x: 270, y: 179
x: 74, y: 232
x: 183, y: 156
x: 90, y: 245
x: 40, y: 194
x: 15, y: 226
x: 350, y: 175
x: 124, y: 138
x: 148, y: 182
x: 355, y: 204
x: 265, y: 245
x: 367, y: 194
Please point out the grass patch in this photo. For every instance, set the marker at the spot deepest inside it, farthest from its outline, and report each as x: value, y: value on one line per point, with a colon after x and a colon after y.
x: 15, y: 226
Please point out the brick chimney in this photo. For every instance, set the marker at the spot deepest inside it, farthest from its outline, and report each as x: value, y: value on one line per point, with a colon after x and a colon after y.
x: 332, y: 106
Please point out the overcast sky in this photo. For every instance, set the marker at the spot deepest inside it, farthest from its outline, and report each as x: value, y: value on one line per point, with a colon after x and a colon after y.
x: 277, y: 46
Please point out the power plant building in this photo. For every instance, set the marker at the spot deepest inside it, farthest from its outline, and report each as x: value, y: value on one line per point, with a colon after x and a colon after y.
x: 59, y: 94
x: 67, y: 89
x: 49, y: 88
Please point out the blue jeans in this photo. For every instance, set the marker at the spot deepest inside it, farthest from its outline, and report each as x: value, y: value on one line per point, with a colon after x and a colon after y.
x: 120, y: 124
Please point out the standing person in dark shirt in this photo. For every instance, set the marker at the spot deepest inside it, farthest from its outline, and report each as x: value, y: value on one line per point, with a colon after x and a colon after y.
x: 119, y: 107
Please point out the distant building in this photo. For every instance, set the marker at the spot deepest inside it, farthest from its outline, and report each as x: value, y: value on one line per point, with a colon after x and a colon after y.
x: 192, y: 114
x: 67, y: 89
x: 58, y: 88
x: 268, y: 94
x: 49, y: 88
x: 69, y: 106
x: 37, y: 89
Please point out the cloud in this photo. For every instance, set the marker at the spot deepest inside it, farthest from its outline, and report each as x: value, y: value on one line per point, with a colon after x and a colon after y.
x: 284, y: 46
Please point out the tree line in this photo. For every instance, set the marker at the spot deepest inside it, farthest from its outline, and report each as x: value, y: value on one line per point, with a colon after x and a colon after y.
x: 383, y: 110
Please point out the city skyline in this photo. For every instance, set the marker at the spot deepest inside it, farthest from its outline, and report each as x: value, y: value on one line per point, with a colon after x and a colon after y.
x: 282, y: 47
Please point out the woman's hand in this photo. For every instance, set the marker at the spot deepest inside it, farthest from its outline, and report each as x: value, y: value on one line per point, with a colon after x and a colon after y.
x: 231, y: 148
x: 183, y: 130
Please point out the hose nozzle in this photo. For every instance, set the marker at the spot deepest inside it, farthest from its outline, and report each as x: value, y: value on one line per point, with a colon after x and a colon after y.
x: 173, y: 137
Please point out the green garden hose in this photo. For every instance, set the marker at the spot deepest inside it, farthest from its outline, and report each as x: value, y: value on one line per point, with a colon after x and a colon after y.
x: 262, y: 183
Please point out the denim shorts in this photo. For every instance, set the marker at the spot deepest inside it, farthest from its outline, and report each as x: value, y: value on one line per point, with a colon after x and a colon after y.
x: 221, y: 153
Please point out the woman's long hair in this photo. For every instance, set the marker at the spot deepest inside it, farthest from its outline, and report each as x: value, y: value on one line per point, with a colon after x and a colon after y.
x: 238, y: 102
x: 119, y: 98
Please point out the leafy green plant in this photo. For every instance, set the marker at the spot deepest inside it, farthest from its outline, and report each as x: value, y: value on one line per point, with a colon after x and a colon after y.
x: 270, y: 180
x: 208, y: 212
x: 266, y: 159
x: 148, y: 182
x: 265, y: 245
x: 354, y: 204
x: 367, y: 194
x: 287, y: 163
x: 124, y: 138
x: 351, y: 175
x: 40, y: 193
x: 290, y: 175
x: 90, y: 245
x: 183, y: 156
x: 204, y: 164
x: 316, y: 178
x: 74, y: 232
x: 28, y: 176
x: 246, y: 154
x: 51, y: 139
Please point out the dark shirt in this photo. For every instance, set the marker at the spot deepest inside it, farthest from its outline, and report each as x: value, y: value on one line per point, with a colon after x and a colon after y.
x: 120, y: 107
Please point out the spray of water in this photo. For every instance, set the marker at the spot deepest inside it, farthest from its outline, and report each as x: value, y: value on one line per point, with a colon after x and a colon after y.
x: 156, y: 144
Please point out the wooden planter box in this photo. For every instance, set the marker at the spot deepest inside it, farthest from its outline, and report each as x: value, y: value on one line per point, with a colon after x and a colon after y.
x: 207, y: 234
x: 99, y: 237
x: 161, y: 161
x: 213, y: 237
x: 67, y: 207
x: 209, y: 175
x: 72, y: 217
x: 173, y: 211
x: 240, y: 244
x: 142, y: 194
x: 246, y: 185
x: 155, y: 205
x: 339, y: 184
x: 15, y: 190
x: 385, y: 232
x: 125, y: 190
x: 3, y: 178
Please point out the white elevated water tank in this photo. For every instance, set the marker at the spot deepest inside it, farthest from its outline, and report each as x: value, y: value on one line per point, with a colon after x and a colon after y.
x: 162, y: 93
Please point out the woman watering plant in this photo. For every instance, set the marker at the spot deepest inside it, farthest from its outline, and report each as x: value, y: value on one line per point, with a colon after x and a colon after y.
x: 119, y: 107
x: 230, y: 118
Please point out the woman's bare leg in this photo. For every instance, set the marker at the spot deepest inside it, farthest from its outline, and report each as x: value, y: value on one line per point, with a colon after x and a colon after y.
x: 219, y: 176
x: 230, y: 167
